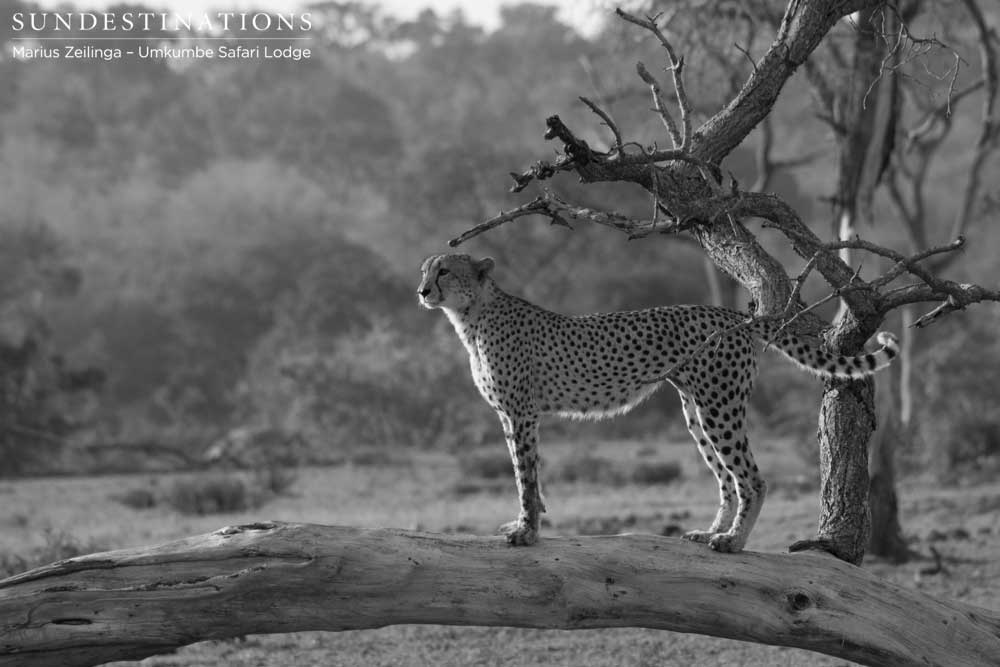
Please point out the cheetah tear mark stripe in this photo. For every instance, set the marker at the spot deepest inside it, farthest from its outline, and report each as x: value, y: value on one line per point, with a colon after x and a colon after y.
x: 813, y: 359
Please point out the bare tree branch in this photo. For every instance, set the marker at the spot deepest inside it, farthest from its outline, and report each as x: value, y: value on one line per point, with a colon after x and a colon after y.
x: 951, y: 295
x: 907, y: 263
x: 903, y: 263
x: 559, y: 211
x: 540, y: 171
x: 800, y: 280
x: 746, y: 53
x: 593, y: 166
x: 659, y: 106
x: 607, y: 121
x: 538, y: 206
x: 676, y: 70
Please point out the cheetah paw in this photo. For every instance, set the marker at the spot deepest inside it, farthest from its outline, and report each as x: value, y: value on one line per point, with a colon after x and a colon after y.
x: 701, y: 536
x: 519, y: 534
x: 726, y: 543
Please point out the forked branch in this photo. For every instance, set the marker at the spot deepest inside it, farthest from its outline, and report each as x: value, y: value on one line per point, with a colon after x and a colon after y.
x: 951, y: 295
x: 676, y: 70
x: 592, y: 166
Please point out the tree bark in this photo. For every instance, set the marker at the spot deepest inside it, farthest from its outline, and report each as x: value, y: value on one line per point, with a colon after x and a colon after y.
x: 846, y: 422
x: 263, y: 578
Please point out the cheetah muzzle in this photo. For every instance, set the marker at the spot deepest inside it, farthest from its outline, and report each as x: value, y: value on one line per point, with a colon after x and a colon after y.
x: 527, y: 361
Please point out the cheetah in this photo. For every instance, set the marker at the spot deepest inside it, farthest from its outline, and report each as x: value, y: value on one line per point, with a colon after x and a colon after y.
x: 527, y: 361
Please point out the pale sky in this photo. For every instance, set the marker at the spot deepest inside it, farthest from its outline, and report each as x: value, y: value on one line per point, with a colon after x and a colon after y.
x: 579, y: 13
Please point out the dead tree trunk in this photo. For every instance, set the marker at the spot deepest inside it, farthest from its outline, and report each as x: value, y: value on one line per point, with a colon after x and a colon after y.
x: 862, y: 114
x: 292, y: 577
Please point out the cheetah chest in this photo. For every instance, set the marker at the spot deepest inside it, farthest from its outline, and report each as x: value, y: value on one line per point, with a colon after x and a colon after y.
x: 501, y: 371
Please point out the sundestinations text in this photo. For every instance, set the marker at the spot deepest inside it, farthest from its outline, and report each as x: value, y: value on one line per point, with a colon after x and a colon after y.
x: 145, y: 21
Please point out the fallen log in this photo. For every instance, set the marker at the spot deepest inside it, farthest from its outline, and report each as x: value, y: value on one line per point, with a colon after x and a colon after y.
x: 275, y: 577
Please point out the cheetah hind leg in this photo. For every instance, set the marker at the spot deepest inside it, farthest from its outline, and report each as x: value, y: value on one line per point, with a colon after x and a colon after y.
x: 724, y: 427
x: 727, y: 494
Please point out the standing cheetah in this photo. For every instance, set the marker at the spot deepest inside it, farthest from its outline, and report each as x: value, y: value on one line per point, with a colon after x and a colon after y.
x: 527, y: 361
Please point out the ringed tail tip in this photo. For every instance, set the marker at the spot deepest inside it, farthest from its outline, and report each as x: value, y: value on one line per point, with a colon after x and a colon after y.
x: 889, y: 342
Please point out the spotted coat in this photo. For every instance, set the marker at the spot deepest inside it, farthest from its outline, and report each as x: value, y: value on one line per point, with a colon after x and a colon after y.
x: 527, y: 361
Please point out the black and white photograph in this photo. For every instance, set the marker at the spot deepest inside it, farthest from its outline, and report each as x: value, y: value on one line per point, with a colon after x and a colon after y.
x: 570, y: 333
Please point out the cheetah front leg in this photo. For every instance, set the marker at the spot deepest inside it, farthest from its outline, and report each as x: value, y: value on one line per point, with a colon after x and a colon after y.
x: 522, y: 441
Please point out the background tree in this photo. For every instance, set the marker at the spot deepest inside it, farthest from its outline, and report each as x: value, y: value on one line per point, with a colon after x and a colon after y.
x: 687, y: 188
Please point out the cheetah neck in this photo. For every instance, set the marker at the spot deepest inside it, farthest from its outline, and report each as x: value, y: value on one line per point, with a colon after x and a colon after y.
x: 465, y: 326
x: 466, y: 320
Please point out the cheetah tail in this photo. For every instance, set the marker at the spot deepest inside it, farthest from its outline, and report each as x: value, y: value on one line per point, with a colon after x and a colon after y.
x: 815, y: 360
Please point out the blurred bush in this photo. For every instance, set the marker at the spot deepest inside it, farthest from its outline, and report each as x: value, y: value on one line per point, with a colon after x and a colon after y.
x: 214, y: 494
x: 136, y: 498
x: 957, y: 421
x: 655, y: 472
x: 384, y: 388
x: 615, y: 473
x: 487, y: 463
x: 224, y: 493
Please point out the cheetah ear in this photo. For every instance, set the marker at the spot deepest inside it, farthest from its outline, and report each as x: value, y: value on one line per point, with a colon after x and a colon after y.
x: 483, y: 267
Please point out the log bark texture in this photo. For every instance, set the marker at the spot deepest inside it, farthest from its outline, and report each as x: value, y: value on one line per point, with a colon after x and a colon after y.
x: 265, y: 578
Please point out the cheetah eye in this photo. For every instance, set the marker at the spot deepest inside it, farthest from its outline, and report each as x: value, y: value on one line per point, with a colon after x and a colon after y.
x: 443, y: 272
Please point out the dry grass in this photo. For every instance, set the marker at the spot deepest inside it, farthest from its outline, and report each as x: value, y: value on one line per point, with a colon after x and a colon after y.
x: 56, y: 545
x: 47, y: 519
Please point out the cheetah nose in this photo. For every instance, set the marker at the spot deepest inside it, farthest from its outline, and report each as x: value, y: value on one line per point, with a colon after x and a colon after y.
x: 424, y: 292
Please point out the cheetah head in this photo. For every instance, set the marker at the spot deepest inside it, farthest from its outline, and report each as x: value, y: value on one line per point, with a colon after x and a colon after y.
x: 452, y: 281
